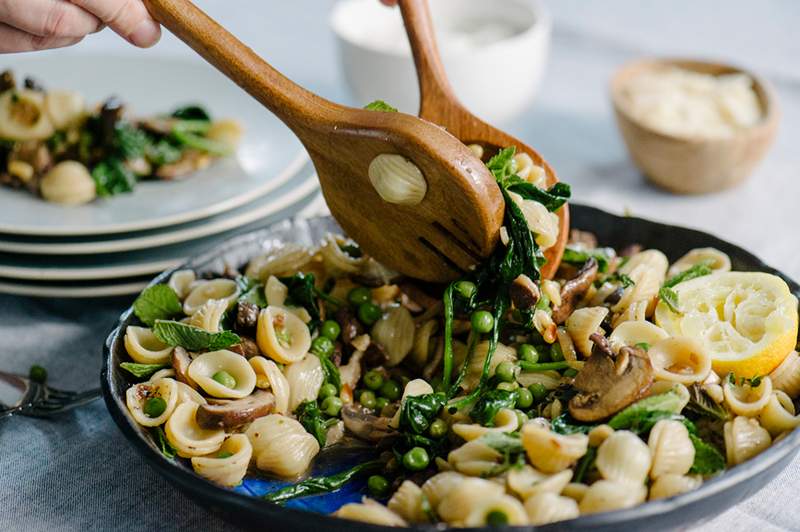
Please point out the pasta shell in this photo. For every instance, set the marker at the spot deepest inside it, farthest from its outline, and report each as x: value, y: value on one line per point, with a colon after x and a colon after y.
x: 209, y: 316
x: 744, y: 438
x: 187, y: 394
x: 786, y: 377
x: 181, y: 282
x: 575, y: 491
x: 550, y: 452
x: 475, y: 458
x: 33, y: 123
x: 268, y: 375
x: 275, y: 292
x: 745, y: 400
x: 599, y: 434
x: 395, y: 333
x: 455, y: 506
x: 670, y: 485
x: 282, y: 335
x: 506, y: 420
x: 143, y: 346
x: 623, y: 457
x: 631, y: 333
x: 671, y: 449
x: 541, y: 222
x: 552, y: 290
x: 65, y: 108
x: 506, y: 505
x: 652, y: 259
x: 304, y: 379
x: 226, y: 471
x: 677, y: 388
x: 370, y: 511
x: 567, y: 345
x: 438, y: 486
x: 225, y: 289
x: 286, y: 259
x: 550, y: 507
x: 137, y: 395
x: 423, y: 346
x: 407, y: 502
x: 475, y: 368
x: 205, y: 366
x: 526, y: 482
x: 717, y: 260
x: 160, y: 374
x: 281, y: 445
x: 779, y: 414
x: 680, y: 359
x: 187, y: 437
x: 549, y: 379
x: 336, y: 261
x: 607, y: 495
x: 582, y: 323
x: 414, y: 388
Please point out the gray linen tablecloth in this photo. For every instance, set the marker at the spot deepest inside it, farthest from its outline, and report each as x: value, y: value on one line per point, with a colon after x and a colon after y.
x: 79, y: 473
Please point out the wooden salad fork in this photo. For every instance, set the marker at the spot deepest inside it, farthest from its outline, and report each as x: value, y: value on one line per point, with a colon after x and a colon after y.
x: 438, y: 104
x: 435, y: 236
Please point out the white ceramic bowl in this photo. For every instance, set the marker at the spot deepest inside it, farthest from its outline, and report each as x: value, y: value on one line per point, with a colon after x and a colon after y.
x: 494, y: 53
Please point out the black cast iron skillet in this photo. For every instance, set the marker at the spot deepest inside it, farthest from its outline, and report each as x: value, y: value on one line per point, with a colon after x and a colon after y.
x: 712, y: 498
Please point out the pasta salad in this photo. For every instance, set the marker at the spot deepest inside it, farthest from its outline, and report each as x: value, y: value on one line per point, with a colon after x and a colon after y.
x: 501, y: 398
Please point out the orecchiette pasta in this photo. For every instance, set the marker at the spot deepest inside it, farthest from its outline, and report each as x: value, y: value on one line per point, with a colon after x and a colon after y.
x: 423, y: 346
x: 144, y: 348
x: 744, y: 399
x: 526, y: 482
x: 439, y: 485
x: 407, y: 502
x: 671, y: 449
x: 336, y: 261
x: 224, y: 289
x: 607, y: 495
x: 181, y: 282
x: 137, y: 396
x: 778, y: 415
x: 510, y: 508
x: 744, y: 438
x: 395, y: 332
x: 370, y: 511
x: 550, y: 452
x: 475, y: 458
x: 207, y: 371
x: 284, y: 260
x: 543, y: 223
x: 281, y: 335
x: 717, y: 260
x: 786, y: 377
x: 582, y: 323
x: 227, y: 466
x: 670, y: 485
x: 502, y: 353
x: 550, y: 507
x: 268, y: 375
x: 275, y: 291
x: 623, y: 457
x: 460, y: 499
x: 636, y: 332
x: 599, y: 434
x: 304, y: 379
x: 187, y: 437
x: 505, y: 420
x: 281, y: 445
x: 680, y: 360
x: 209, y: 315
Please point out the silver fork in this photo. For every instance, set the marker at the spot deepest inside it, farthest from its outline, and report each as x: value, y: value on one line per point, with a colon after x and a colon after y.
x: 39, y: 400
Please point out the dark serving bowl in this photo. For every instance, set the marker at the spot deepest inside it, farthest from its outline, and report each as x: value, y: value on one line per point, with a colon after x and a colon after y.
x: 243, y: 504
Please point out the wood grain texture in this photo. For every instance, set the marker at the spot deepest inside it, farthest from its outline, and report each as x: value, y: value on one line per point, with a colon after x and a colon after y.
x: 694, y: 165
x: 439, y: 104
x: 458, y: 221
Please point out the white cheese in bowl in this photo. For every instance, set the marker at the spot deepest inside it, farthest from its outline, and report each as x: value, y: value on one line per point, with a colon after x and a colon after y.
x: 684, y: 103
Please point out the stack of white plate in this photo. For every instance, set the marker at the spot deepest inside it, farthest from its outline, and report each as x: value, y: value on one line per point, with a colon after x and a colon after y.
x: 114, y: 246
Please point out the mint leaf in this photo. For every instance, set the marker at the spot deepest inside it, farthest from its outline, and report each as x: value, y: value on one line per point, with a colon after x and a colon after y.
x: 252, y: 291
x: 166, y: 447
x: 707, y: 459
x: 668, y: 402
x: 698, y: 270
x: 552, y: 199
x: 192, y: 338
x: 670, y: 297
x: 142, y: 370
x: 158, y: 302
x: 380, y: 105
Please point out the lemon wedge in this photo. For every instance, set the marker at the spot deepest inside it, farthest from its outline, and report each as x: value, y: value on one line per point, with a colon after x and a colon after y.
x: 746, y: 320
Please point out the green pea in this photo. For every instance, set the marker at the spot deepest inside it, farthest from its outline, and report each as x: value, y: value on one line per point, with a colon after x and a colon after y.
x: 556, y: 355
x: 505, y: 371
x: 482, y: 321
x: 496, y: 518
x: 465, y: 289
x: 359, y: 296
x: 390, y: 390
x: 154, y: 406
x: 507, y: 386
x: 224, y: 378
x: 570, y: 372
x: 367, y: 399
x: 524, y: 398
x: 330, y: 329
x: 377, y: 485
x: 381, y: 403
x: 416, y: 459
x: 369, y: 313
x: 538, y: 391
x: 373, y: 380
x: 224, y: 454
x: 331, y: 405
x: 37, y: 373
x: 327, y: 390
x: 438, y: 428
x: 528, y: 353
x: 322, y: 346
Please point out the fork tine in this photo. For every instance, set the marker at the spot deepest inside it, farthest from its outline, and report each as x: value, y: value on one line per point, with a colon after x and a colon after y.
x: 59, y: 394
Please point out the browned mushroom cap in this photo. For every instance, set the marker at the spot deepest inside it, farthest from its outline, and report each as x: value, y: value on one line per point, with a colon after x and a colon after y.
x: 574, y: 289
x: 180, y: 363
x: 609, y: 383
x: 247, y: 347
x: 351, y: 327
x: 234, y: 414
x: 365, y: 425
x: 524, y: 292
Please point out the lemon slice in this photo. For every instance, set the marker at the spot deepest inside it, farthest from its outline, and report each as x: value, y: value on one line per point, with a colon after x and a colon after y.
x: 746, y: 320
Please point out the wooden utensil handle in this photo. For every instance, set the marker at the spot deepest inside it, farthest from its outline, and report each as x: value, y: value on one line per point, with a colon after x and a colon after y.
x: 434, y: 86
x: 294, y: 105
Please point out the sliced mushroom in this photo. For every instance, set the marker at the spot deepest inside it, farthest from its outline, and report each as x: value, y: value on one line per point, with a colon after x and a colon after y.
x: 608, y: 382
x: 180, y: 363
x: 246, y: 316
x: 362, y: 424
x: 524, y: 292
x: 574, y: 289
x: 248, y: 348
x: 351, y: 327
x: 233, y: 414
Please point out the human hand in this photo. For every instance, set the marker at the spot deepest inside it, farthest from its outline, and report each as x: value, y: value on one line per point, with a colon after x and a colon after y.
x: 27, y: 25
x: 389, y: 2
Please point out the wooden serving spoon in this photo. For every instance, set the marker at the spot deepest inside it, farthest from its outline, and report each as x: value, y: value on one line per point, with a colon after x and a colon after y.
x: 455, y: 224
x: 439, y: 105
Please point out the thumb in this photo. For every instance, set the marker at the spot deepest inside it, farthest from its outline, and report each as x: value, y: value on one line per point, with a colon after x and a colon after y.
x: 128, y: 18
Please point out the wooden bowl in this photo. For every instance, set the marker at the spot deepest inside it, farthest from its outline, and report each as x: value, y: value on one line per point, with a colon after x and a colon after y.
x: 694, y: 165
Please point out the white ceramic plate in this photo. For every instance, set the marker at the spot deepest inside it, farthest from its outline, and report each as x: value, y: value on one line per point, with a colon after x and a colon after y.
x: 262, y: 206
x: 89, y: 291
x: 154, y: 85
x: 146, y: 261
